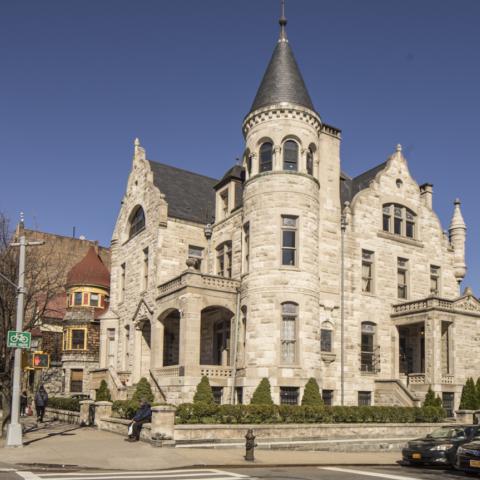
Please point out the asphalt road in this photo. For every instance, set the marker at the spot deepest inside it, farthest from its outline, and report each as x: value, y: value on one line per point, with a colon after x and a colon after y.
x: 279, y: 473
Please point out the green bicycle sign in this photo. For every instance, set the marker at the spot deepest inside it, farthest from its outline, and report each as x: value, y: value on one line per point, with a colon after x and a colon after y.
x: 18, y: 339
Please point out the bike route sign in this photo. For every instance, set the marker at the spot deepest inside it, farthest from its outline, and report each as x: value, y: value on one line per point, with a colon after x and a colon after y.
x: 18, y: 339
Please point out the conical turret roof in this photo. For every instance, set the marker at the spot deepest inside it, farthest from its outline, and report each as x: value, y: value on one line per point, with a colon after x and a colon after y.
x: 282, y: 81
x: 89, y: 271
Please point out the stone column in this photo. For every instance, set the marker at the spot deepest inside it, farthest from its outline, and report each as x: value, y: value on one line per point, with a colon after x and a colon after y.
x: 156, y: 344
x: 433, y: 350
x: 163, y: 423
x: 102, y: 410
x: 190, y: 322
x: 85, y: 411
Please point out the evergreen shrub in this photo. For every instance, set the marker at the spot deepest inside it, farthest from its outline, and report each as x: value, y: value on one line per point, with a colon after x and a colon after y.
x: 143, y: 390
x: 311, y: 394
x: 469, y: 399
x: 262, y: 394
x: 64, y: 403
x: 102, y: 394
x: 204, y: 393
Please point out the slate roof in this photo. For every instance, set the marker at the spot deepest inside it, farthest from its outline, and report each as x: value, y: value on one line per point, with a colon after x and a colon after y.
x: 282, y: 81
x: 349, y: 187
x: 190, y: 196
x: 89, y: 271
x: 237, y: 172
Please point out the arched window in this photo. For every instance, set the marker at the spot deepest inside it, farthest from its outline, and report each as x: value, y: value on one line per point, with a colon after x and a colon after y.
x: 266, y: 152
x: 289, y: 333
x: 290, y: 155
x: 137, y: 223
x: 399, y: 220
x: 310, y: 162
x: 369, y: 359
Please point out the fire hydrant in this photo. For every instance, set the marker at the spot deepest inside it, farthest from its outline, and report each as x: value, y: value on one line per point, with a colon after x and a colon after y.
x: 250, y: 446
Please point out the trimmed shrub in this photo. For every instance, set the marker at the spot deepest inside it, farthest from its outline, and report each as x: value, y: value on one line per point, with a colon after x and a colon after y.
x: 125, y: 408
x: 189, y: 413
x: 311, y: 394
x: 429, y: 400
x: 262, y: 394
x: 469, y: 400
x: 102, y: 394
x: 64, y: 403
x: 143, y: 390
x: 477, y: 391
x: 203, y: 394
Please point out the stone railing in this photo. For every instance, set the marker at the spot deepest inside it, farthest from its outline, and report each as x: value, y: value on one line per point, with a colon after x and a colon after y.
x: 416, y: 378
x: 213, y: 371
x: 447, y: 379
x: 170, y: 371
x: 423, y: 304
x: 196, y: 279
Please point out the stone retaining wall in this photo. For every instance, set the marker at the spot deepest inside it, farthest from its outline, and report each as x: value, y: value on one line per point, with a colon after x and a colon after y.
x: 65, y: 416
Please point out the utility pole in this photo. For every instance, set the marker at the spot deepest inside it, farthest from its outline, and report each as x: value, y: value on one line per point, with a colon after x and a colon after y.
x: 14, y: 431
x: 343, y: 227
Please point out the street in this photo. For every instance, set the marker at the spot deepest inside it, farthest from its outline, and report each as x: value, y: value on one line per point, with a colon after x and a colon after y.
x: 273, y: 473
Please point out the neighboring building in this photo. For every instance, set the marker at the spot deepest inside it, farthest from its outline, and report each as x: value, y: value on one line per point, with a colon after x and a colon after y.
x: 240, y: 278
x: 62, y: 257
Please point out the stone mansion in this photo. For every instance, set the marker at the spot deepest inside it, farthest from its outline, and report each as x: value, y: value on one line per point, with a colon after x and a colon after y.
x: 287, y: 268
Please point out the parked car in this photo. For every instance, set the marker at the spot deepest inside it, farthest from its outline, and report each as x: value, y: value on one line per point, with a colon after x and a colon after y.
x: 440, y: 446
x: 468, y: 456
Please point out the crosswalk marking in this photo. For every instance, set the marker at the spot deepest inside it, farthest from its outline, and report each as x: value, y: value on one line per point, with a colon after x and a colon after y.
x: 187, y: 474
x: 365, y: 473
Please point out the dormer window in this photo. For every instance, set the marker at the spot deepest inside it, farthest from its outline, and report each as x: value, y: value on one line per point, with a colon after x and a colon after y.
x: 224, y: 260
x: 290, y: 155
x: 399, y: 220
x: 266, y: 155
x: 137, y: 223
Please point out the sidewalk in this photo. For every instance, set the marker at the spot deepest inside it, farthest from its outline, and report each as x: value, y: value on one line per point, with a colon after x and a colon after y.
x: 55, y: 444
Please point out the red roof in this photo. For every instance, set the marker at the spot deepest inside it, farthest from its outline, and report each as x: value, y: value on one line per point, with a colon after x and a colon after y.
x: 90, y: 271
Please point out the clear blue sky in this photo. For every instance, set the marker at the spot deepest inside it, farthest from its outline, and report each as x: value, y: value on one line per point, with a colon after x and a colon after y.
x: 81, y: 79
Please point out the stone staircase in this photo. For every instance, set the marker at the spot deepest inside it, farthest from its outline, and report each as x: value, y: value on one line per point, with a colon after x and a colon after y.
x: 393, y: 392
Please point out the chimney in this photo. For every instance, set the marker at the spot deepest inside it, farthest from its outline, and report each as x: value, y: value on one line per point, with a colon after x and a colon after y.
x: 426, y: 193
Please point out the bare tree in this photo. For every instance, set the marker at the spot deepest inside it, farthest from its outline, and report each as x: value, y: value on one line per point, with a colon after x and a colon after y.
x: 44, y: 279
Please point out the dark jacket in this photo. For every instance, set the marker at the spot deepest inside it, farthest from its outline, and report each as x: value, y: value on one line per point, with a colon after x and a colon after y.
x: 143, y: 413
x: 23, y: 400
x: 41, y: 398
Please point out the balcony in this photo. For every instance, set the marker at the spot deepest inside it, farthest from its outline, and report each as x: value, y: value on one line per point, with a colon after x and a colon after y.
x: 191, y: 278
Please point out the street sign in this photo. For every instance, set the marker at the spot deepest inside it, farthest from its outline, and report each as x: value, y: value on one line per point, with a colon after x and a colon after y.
x: 40, y: 360
x: 18, y: 339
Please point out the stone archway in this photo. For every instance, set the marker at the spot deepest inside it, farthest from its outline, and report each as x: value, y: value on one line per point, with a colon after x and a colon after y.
x: 170, y: 321
x: 215, y: 344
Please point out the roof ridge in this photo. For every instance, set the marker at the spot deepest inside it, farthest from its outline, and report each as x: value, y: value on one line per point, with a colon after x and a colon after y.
x: 383, y: 164
x: 183, y: 170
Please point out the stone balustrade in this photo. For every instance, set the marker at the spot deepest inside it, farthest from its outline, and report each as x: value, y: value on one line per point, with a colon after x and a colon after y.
x: 416, y: 378
x: 213, y: 371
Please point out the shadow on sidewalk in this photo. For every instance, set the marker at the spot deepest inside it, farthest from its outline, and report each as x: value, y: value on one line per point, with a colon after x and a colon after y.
x: 50, y: 434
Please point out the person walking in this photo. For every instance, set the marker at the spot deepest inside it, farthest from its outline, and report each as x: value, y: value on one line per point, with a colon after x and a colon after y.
x: 142, y: 415
x: 41, y: 401
x: 23, y: 404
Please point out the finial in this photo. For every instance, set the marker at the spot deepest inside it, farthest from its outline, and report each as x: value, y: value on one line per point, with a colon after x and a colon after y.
x: 137, y: 142
x: 457, y: 201
x: 22, y: 218
x: 283, y: 23
x: 399, y: 147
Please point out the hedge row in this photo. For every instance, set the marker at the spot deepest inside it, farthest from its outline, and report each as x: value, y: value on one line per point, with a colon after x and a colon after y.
x: 203, y: 413
x: 71, y: 404
x: 125, y: 408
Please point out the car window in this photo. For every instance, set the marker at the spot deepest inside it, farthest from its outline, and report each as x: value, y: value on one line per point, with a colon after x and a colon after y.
x: 447, y: 432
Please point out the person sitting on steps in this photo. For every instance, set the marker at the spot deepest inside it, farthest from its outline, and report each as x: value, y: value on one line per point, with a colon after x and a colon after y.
x: 142, y: 415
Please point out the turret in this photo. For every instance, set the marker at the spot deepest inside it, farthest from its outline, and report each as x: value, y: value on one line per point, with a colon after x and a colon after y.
x: 458, y: 235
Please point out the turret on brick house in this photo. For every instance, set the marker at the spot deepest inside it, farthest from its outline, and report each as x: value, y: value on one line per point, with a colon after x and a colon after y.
x: 240, y: 278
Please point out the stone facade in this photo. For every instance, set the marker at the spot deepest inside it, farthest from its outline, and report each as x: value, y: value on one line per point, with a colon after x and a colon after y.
x: 257, y: 292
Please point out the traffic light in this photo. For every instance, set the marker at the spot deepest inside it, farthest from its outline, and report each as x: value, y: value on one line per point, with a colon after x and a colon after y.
x: 40, y: 360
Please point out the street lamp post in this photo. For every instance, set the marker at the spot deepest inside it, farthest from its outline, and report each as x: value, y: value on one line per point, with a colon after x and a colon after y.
x: 14, y: 430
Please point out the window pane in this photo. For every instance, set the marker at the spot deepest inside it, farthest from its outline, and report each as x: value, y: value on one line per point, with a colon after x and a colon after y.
x: 290, y: 155
x: 397, y: 226
x: 78, y: 298
x: 410, y: 229
x: 94, y: 299
x: 327, y: 396
x: 289, y: 395
x: 309, y: 163
x: 325, y: 340
x: 288, y: 256
x: 195, y: 251
x: 289, y: 238
x: 138, y: 222
x: 266, y: 157
x: 386, y: 223
x: 288, y: 332
x: 364, y: 398
x: 78, y: 338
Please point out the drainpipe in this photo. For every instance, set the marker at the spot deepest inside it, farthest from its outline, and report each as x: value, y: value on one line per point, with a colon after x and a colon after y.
x: 343, y: 227
x: 235, y: 343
